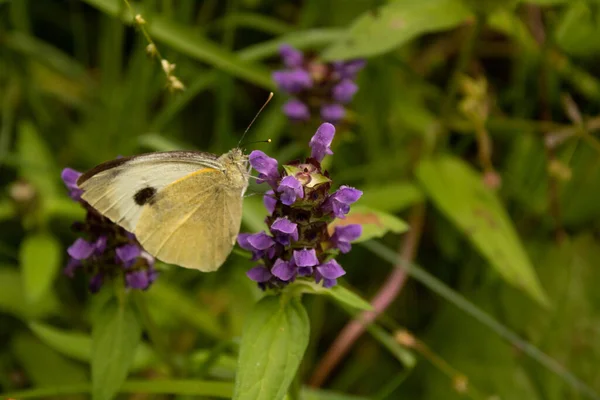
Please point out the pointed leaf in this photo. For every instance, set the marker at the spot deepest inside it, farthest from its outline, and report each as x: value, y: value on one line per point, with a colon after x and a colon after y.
x: 275, y: 339
x: 78, y: 346
x: 116, y: 334
x: 13, y: 300
x: 40, y: 262
x: 395, y: 23
x: 337, y: 293
x: 458, y: 191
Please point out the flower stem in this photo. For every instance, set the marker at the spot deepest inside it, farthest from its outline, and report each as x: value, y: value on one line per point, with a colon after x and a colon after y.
x: 384, y: 297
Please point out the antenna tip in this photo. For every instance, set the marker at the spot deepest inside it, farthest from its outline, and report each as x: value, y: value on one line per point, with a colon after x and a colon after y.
x: 269, y: 140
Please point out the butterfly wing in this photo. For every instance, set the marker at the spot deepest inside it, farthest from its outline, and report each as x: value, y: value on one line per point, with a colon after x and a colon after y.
x: 119, y: 189
x: 193, y: 222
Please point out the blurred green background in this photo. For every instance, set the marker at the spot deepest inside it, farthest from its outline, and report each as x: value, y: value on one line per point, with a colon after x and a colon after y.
x: 475, y: 121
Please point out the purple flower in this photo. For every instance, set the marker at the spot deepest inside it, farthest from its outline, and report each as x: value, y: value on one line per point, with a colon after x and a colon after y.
x: 344, y: 235
x: 81, y: 250
x: 138, y: 279
x: 305, y: 260
x: 296, y: 110
x: 259, y: 274
x: 321, y: 141
x: 293, y: 81
x: 284, y: 231
x: 292, y: 58
x: 332, y: 112
x: 69, y: 177
x: 127, y: 254
x: 100, y: 245
x: 344, y: 91
x: 329, y: 272
x: 339, y: 202
x: 265, y: 165
x: 270, y: 201
x: 349, y: 69
x: 258, y: 243
x: 290, y: 189
x: 284, y: 270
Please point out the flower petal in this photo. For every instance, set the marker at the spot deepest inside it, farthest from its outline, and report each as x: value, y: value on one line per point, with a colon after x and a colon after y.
x: 137, y: 279
x: 284, y: 270
x: 80, y: 249
x: 321, y: 141
x: 332, y: 112
x: 344, y: 91
x: 291, y: 57
x: 260, y: 241
x: 331, y: 270
x: 305, y: 258
x: 296, y: 110
x: 127, y: 253
x: 259, y: 274
x: 270, y: 201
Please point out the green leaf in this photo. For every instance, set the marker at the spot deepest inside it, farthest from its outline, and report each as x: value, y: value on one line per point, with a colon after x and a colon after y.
x: 275, y: 339
x: 375, y: 223
x: 337, y: 293
x: 43, y: 365
x: 458, y: 191
x: 382, y: 30
x: 78, y: 346
x: 116, y: 334
x: 36, y: 163
x: 13, y: 300
x: 391, y: 197
x: 578, y: 32
x: 40, y: 262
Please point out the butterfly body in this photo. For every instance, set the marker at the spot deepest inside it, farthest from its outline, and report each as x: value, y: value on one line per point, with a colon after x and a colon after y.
x: 184, y: 207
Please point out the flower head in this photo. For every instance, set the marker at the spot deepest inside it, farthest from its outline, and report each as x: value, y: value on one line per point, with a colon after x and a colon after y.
x: 298, y: 244
x: 319, y: 88
x: 108, y: 251
x: 265, y: 165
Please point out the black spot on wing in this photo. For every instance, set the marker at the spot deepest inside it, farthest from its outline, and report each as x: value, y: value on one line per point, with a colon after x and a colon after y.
x: 144, y: 196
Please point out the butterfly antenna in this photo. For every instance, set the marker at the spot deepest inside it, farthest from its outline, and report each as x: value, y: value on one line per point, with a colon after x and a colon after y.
x: 256, y: 116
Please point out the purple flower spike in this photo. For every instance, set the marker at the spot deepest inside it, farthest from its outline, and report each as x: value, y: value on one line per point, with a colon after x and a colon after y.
x: 265, y: 165
x: 69, y: 177
x: 270, y: 201
x: 344, y: 91
x: 344, y: 235
x: 284, y: 270
x: 339, y: 202
x: 333, y: 112
x: 259, y: 274
x: 321, y: 141
x: 137, y: 280
x: 293, y: 81
x: 284, y: 231
x: 127, y: 254
x: 81, y: 250
x: 296, y: 110
x: 292, y: 58
x: 290, y: 189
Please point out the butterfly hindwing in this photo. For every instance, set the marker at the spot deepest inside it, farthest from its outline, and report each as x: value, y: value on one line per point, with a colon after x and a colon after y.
x: 193, y: 222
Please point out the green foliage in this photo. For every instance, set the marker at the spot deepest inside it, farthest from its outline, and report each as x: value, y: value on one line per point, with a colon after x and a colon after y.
x: 274, y: 341
x: 473, y: 136
x: 115, y: 336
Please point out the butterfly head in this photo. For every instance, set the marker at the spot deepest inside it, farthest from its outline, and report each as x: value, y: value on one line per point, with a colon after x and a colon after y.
x: 235, y: 163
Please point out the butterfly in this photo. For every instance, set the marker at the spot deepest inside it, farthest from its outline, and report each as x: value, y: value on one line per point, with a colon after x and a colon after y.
x: 184, y: 207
